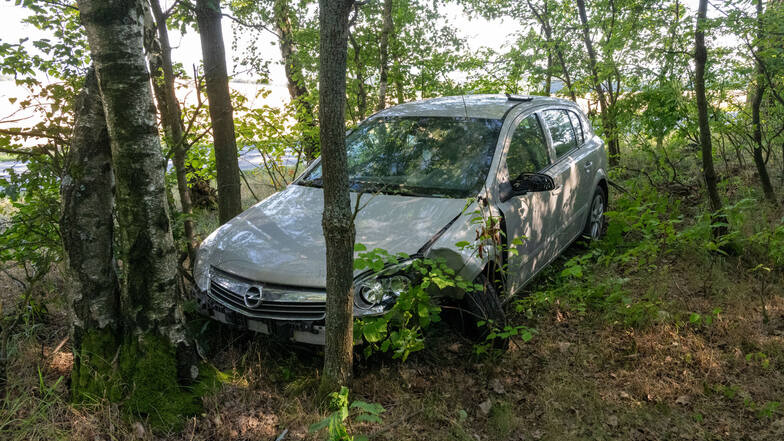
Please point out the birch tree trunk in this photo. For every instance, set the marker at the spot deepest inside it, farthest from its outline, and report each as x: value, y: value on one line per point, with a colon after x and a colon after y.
x: 337, y: 220
x: 208, y: 15
x: 162, y: 73
x: 383, y: 77
x: 700, y: 58
x: 296, y: 79
x: 153, y: 356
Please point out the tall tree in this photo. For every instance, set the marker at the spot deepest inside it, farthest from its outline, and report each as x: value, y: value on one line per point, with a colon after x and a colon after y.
x: 700, y: 58
x: 383, y: 75
x: 208, y: 15
x: 295, y: 77
x: 608, y: 123
x: 162, y: 71
x: 337, y: 219
x: 151, y: 350
x: 756, y: 104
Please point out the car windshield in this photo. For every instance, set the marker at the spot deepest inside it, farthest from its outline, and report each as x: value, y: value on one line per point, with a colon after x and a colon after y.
x: 419, y: 156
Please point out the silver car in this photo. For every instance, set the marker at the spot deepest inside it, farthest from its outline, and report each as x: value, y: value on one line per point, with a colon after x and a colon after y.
x: 422, y: 170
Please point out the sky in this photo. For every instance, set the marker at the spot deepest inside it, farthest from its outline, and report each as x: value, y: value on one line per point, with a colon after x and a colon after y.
x: 187, y: 48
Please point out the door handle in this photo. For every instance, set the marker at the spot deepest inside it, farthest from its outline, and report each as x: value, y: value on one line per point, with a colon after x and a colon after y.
x: 588, y: 164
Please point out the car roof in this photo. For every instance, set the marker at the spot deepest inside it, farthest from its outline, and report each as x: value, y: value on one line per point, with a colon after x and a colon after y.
x: 474, y: 106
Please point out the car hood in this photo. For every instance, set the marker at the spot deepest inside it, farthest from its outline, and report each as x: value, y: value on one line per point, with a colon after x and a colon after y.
x: 280, y: 240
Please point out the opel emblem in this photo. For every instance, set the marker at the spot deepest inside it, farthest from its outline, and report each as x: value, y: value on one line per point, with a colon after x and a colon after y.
x: 252, y: 297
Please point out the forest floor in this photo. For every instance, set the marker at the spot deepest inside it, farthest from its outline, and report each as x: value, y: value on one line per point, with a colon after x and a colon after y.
x: 668, y: 343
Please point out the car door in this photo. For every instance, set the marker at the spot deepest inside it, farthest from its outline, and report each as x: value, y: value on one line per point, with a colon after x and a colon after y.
x: 587, y: 161
x: 527, y: 217
x: 567, y: 172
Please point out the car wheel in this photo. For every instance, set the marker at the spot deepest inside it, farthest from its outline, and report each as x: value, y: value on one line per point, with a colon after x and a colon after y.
x: 594, y: 225
x: 484, y: 306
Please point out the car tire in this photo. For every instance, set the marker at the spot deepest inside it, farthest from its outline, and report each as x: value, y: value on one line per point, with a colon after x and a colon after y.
x: 595, y: 221
x: 484, y: 306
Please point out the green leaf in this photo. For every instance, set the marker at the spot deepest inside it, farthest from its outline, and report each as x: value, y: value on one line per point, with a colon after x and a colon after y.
x: 359, y: 247
x: 375, y: 330
x: 371, y: 408
x: 369, y: 418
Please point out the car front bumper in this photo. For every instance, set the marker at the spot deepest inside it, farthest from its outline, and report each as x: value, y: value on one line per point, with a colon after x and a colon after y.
x: 302, y: 331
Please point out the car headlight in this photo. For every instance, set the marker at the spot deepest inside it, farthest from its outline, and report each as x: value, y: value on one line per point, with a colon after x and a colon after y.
x: 201, y: 267
x: 382, y: 288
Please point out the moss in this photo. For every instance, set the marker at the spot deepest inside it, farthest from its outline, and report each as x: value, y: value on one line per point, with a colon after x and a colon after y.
x: 149, y: 366
x: 141, y: 375
x: 93, y: 376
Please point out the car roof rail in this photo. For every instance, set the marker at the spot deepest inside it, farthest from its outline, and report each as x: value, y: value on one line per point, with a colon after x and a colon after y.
x: 523, y: 98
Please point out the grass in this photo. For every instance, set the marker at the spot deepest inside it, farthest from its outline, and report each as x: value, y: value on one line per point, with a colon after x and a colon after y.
x: 618, y: 355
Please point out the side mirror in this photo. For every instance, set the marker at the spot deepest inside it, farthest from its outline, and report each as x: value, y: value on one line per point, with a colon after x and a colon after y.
x: 532, y: 182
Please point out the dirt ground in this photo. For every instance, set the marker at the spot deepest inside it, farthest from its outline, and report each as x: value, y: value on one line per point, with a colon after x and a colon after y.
x: 582, y: 377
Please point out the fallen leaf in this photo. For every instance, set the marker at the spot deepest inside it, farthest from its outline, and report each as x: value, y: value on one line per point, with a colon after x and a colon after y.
x: 497, y: 387
x: 683, y: 400
x: 485, y: 406
x: 612, y: 421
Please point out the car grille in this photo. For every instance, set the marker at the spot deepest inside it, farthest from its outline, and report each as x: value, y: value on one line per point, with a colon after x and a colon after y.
x: 278, y: 309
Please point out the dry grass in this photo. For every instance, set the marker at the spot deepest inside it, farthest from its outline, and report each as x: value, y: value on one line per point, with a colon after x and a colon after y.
x: 578, y: 379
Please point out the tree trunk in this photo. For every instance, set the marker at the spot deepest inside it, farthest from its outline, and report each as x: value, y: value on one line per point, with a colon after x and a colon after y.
x: 567, y: 77
x: 756, y: 103
x: 700, y: 57
x: 386, y: 31
x: 153, y: 352
x: 87, y: 231
x: 607, y: 123
x: 296, y: 79
x: 216, y: 78
x: 360, y: 79
x: 337, y: 220
x: 162, y: 73
x: 549, y: 74
x: 397, y: 79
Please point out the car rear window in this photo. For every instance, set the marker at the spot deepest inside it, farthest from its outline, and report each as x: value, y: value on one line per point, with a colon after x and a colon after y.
x: 578, y: 127
x: 561, y: 131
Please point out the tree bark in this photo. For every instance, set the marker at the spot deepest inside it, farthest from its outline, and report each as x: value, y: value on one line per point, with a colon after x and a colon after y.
x: 208, y: 15
x: 386, y: 30
x: 87, y: 231
x: 360, y: 79
x: 337, y: 220
x: 548, y: 79
x: 607, y: 124
x: 296, y: 79
x: 700, y: 58
x: 756, y: 103
x: 153, y: 354
x: 162, y: 73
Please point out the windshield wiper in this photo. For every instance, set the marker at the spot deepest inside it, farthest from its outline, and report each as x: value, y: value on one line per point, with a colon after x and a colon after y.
x: 316, y: 182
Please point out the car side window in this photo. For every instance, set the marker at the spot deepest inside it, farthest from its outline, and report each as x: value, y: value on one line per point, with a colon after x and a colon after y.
x: 561, y: 131
x: 578, y: 127
x: 527, y: 149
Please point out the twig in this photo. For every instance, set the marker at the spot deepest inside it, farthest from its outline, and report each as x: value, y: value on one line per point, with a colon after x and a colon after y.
x: 242, y: 173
